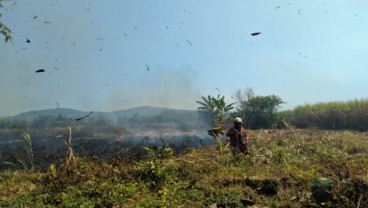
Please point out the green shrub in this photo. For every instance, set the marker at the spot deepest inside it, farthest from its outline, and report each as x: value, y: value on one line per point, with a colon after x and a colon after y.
x: 153, y: 170
x: 356, y: 150
x: 226, y: 198
x: 322, y: 189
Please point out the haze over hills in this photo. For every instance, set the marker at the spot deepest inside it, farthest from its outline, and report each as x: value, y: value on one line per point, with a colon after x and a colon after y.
x: 149, y: 111
x: 145, y: 111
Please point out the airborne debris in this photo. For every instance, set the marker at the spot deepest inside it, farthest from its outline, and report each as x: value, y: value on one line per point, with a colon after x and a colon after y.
x: 147, y: 67
x: 78, y: 119
x: 255, y: 33
x: 57, y: 137
x: 189, y: 43
x: 40, y: 70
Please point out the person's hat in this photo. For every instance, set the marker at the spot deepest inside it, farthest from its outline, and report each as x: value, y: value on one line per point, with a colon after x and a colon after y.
x: 238, y: 120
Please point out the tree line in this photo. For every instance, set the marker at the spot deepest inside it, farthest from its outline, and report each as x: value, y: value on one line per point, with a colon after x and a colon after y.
x: 263, y: 112
x: 257, y: 112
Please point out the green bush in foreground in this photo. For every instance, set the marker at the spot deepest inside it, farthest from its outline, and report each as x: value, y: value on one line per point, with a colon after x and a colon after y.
x: 322, y: 189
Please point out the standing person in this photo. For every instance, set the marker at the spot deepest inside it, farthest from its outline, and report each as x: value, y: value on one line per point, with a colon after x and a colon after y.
x: 238, y: 137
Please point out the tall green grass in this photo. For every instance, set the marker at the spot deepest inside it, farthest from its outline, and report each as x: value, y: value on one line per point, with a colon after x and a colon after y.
x: 350, y: 115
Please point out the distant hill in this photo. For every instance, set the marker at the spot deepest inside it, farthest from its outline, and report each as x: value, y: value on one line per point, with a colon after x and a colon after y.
x: 143, y: 111
x: 148, y: 111
x: 70, y: 113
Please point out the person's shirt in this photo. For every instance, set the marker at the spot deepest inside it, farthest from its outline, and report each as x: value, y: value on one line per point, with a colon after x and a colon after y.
x: 235, y: 134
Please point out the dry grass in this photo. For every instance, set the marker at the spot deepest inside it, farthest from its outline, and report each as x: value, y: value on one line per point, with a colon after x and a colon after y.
x: 277, y: 173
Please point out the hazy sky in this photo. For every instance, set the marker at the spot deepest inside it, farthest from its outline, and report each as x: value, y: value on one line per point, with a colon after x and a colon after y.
x: 112, y: 55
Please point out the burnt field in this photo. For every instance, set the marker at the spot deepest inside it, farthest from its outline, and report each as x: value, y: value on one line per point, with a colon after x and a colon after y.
x: 49, y: 146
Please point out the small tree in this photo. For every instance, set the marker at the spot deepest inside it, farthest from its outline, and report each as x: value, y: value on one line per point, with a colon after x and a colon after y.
x: 4, y: 30
x: 258, y: 111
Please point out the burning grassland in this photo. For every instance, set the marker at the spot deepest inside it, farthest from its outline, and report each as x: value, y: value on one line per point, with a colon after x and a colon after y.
x: 167, y: 137
x: 48, y: 145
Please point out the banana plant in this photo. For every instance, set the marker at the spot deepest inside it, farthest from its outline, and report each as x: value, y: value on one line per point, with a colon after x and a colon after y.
x: 218, y: 109
x: 221, y: 108
x: 208, y: 105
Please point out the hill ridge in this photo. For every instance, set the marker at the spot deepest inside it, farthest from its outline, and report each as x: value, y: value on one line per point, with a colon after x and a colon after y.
x: 145, y: 110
